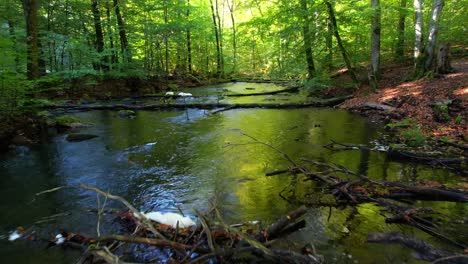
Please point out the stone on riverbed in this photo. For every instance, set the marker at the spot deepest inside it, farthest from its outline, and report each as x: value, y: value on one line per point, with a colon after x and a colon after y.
x: 79, y: 137
x: 127, y: 113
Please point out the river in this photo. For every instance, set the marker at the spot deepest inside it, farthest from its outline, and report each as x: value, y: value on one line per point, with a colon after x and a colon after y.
x: 186, y: 160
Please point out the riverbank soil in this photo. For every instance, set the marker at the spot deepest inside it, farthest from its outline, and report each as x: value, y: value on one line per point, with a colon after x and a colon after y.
x: 437, y: 104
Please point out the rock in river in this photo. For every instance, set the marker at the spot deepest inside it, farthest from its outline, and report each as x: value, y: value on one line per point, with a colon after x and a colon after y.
x: 127, y: 113
x: 79, y: 137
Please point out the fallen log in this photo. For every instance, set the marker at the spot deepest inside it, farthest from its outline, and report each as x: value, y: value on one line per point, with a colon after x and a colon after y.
x: 396, y: 154
x: 275, y: 229
x: 317, y: 103
x: 429, y: 194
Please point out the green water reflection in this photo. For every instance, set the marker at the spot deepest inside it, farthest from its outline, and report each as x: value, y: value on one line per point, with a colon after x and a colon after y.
x: 165, y: 160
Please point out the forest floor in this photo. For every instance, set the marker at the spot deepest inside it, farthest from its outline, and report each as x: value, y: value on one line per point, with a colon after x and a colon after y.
x: 438, y: 105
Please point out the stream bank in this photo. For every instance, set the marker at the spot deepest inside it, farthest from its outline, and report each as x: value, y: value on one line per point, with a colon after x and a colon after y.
x: 436, y: 106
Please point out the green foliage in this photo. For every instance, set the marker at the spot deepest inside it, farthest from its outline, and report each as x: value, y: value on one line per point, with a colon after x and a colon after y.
x: 442, y: 112
x: 413, y: 137
x: 173, y: 86
x: 269, y: 41
x: 317, y: 84
x: 66, y: 120
x: 125, y: 74
x: 402, y: 124
x: 13, y: 90
x: 459, y: 120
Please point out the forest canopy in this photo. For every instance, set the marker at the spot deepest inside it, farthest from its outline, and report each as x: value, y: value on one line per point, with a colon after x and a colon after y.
x: 209, y: 37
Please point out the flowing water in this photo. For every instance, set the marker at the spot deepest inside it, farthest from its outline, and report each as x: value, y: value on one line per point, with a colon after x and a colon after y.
x: 186, y: 160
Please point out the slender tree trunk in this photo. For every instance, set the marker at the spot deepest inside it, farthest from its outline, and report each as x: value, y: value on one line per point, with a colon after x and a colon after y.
x: 329, y: 44
x: 99, y: 35
x: 220, y: 31
x: 375, y: 44
x: 166, y: 41
x: 51, y: 42
x: 331, y: 13
x: 189, y: 41
x: 437, y: 7
x: 234, y: 37
x: 218, y: 50
x: 417, y: 29
x: 400, y: 45
x: 114, y: 58
x: 126, y: 55
x: 41, y: 60
x: 307, y: 40
x: 11, y: 30
x: 30, y: 8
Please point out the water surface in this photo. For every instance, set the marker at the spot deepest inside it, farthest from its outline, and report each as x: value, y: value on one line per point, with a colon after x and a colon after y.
x: 186, y: 160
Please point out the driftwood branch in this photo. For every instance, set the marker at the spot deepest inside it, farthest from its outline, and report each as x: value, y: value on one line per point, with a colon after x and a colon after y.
x: 273, y: 231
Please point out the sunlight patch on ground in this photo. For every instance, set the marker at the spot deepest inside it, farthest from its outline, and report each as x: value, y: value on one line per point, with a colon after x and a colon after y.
x: 454, y: 75
x: 461, y: 91
x: 443, y: 131
x: 400, y: 90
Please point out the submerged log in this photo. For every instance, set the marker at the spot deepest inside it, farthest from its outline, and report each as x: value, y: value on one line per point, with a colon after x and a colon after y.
x: 79, y: 137
x: 424, y: 250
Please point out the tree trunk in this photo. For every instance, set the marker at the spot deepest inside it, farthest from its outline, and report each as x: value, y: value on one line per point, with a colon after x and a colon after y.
x: 433, y: 33
x: 331, y: 13
x: 400, y: 45
x: 99, y: 35
x: 218, y: 51
x: 375, y: 38
x: 234, y: 38
x: 220, y: 32
x: 126, y: 55
x: 30, y: 8
x: 417, y: 29
x: 189, y: 41
x: 11, y: 30
x: 114, y: 58
x: 374, y: 75
x: 53, y: 65
x: 307, y: 41
x: 329, y: 44
x: 443, y: 59
x: 166, y: 41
